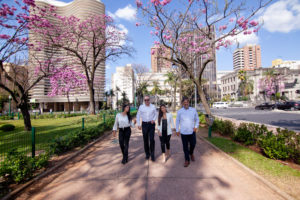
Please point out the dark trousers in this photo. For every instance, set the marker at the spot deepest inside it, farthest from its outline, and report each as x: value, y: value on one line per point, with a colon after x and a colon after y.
x: 124, y: 136
x: 188, y: 140
x: 164, y: 141
x: 148, y: 135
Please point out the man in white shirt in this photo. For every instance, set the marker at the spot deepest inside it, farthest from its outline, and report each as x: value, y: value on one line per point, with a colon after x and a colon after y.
x: 187, y: 123
x: 147, y: 112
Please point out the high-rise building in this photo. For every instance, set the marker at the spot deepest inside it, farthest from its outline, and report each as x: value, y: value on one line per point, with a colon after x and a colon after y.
x: 123, y: 80
x: 78, y: 98
x: 159, y: 64
x: 247, y: 58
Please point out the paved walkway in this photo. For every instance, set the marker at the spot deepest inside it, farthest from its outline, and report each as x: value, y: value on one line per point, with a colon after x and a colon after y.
x: 100, y: 175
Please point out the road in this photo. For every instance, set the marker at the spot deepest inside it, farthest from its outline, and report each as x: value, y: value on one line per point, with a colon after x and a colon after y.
x: 284, y: 119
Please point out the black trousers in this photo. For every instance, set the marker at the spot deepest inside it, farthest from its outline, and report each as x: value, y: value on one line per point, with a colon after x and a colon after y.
x: 148, y: 136
x: 188, y: 140
x: 124, y: 136
x: 164, y: 141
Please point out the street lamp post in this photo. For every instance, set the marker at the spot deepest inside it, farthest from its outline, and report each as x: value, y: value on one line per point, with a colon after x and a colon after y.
x: 9, y: 98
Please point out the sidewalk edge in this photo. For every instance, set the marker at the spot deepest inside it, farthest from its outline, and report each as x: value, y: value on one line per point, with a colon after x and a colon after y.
x: 47, y: 172
x: 250, y: 171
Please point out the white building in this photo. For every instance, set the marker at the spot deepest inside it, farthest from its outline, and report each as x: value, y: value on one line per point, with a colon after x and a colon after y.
x: 291, y: 80
x: 123, y: 79
x: 220, y: 74
x: 290, y: 64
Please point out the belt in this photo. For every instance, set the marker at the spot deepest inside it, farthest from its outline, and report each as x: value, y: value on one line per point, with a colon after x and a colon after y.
x: 124, y: 127
x: 147, y: 122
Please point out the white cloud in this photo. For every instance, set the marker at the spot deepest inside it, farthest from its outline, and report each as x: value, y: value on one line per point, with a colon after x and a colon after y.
x: 123, y: 29
x: 107, y: 67
x: 127, y: 13
x: 282, y: 16
x: 242, y: 39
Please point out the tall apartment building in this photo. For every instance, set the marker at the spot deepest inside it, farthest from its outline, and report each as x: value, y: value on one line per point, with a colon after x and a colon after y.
x: 78, y: 98
x: 158, y: 64
x: 123, y: 79
x: 247, y: 58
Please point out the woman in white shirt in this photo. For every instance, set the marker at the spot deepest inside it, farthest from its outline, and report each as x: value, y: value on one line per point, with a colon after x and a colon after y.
x: 123, y: 122
x: 165, y: 128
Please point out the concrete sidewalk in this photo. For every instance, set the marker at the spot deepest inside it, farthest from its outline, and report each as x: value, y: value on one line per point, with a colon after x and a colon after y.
x: 100, y: 175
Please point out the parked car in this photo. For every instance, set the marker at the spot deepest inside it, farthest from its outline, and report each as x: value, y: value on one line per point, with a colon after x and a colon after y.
x: 264, y: 106
x: 289, y: 105
x: 220, y: 105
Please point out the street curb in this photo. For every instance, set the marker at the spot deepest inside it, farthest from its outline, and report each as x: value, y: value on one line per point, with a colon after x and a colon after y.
x: 47, y: 172
x: 251, y: 172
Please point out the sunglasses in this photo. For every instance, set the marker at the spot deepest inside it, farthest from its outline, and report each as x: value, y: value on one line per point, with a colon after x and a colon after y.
x: 147, y: 99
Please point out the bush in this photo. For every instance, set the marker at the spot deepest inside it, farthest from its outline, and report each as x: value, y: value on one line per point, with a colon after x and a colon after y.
x: 7, y: 127
x: 78, y: 138
x: 225, y: 128
x: 244, y: 135
x: 274, y: 147
x: 202, y: 119
x: 18, y: 167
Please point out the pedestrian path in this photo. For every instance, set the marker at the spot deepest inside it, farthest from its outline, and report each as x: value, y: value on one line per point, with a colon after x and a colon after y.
x: 101, y: 176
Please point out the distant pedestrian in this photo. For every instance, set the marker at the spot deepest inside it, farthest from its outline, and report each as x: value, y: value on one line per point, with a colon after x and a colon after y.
x: 147, y: 112
x: 165, y: 129
x: 187, y: 123
x: 123, y: 122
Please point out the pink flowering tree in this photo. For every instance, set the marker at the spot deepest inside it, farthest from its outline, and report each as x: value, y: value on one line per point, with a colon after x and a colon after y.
x: 194, y: 29
x: 18, y: 75
x: 272, y: 84
x: 67, y: 81
x: 90, y: 42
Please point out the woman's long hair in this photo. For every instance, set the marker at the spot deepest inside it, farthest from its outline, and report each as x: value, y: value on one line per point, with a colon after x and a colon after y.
x: 160, y: 113
x: 128, y: 113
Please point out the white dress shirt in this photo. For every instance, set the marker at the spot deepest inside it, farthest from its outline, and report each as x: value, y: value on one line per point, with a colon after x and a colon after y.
x: 122, y: 121
x: 147, y: 113
x: 170, y: 123
x: 187, y: 120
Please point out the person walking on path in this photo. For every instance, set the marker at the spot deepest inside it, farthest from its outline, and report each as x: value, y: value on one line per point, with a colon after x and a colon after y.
x: 123, y: 122
x: 187, y: 122
x: 147, y: 113
x: 165, y: 129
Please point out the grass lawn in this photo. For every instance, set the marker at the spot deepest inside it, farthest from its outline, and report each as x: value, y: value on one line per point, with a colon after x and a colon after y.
x: 284, y: 177
x: 46, y: 131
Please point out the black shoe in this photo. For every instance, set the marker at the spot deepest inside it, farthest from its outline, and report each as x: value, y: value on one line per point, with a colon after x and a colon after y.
x: 126, y: 160
x: 147, y: 157
x: 123, y: 161
x: 153, y: 158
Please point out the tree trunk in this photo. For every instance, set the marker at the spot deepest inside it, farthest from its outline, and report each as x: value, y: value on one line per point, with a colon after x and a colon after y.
x: 68, y: 103
x: 92, y: 99
x: 203, y: 99
x: 26, y: 116
x: 174, y: 100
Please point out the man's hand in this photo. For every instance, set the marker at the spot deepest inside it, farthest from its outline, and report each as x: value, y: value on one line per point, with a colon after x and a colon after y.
x: 134, y: 121
x: 177, y: 133
x: 195, y: 130
x: 139, y: 127
x: 152, y: 122
x: 114, y: 133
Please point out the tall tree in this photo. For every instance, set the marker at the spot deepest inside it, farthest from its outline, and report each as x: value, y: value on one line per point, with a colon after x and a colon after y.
x: 90, y: 41
x: 193, y: 32
x: 172, y: 81
x: 15, y: 22
x: 246, y: 86
x: 156, y: 91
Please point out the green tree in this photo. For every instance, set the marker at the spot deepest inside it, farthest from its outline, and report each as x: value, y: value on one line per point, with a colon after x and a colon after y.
x: 172, y: 81
x: 246, y: 85
x: 156, y: 91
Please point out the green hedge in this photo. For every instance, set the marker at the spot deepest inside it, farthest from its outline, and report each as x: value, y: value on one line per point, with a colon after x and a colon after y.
x: 283, y: 145
x: 7, y: 127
